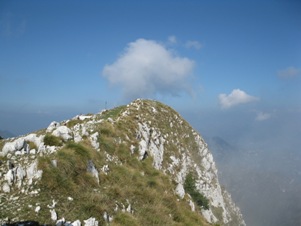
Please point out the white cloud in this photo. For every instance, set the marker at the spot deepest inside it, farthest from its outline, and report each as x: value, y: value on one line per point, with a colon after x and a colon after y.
x: 172, y: 39
x: 236, y: 97
x: 289, y: 72
x: 261, y: 116
x: 193, y: 44
x: 147, y: 68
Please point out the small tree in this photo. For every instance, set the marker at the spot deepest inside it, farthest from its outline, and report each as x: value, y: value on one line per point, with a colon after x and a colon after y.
x: 196, y: 196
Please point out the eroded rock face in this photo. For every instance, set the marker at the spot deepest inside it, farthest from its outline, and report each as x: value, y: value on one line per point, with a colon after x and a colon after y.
x: 91, y: 169
x: 19, y: 146
x: 53, y: 125
x: 64, y: 132
x: 190, y: 154
x: 160, y: 133
x: 33, y: 173
x: 14, y: 146
x: 20, y: 176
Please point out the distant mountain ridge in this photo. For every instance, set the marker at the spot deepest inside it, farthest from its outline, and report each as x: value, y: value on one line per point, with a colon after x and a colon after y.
x: 6, y: 134
x: 140, y: 164
x: 221, y: 148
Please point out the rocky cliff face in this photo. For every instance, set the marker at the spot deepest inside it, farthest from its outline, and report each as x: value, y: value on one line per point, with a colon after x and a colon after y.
x: 126, y: 166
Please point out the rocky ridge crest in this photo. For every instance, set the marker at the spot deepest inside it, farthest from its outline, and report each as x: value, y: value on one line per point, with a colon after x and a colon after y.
x: 127, y: 138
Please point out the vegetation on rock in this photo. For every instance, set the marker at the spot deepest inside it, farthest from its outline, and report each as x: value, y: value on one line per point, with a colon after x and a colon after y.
x: 52, y: 140
x: 103, y: 174
x: 196, y: 196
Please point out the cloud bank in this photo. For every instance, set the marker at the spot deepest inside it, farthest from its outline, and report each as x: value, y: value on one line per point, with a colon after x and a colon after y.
x: 147, y: 68
x: 261, y: 116
x: 236, y: 97
x: 172, y: 39
x: 289, y: 72
x: 193, y: 44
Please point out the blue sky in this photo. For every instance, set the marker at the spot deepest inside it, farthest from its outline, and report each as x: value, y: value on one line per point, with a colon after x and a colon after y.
x: 221, y: 64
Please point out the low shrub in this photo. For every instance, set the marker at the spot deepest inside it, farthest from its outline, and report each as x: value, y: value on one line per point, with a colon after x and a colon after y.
x: 196, y: 196
x: 52, y: 140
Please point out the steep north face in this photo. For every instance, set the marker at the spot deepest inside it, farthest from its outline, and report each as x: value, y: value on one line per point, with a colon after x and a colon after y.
x: 125, y: 166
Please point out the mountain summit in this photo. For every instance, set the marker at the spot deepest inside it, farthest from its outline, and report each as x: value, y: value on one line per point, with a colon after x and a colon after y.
x: 140, y: 164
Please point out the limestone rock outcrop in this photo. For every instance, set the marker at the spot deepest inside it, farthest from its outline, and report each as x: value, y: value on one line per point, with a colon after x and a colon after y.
x: 152, y: 130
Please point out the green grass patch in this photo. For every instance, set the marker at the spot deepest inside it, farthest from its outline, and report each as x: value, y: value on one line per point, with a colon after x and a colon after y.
x: 79, y: 150
x: 73, y: 122
x: 2, y: 143
x: 71, y: 171
x: 124, y: 219
x: 113, y: 113
x: 52, y: 140
x: 32, y: 145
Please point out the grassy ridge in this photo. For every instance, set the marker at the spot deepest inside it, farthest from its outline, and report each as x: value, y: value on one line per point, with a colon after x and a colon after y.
x: 149, y: 192
x: 129, y: 181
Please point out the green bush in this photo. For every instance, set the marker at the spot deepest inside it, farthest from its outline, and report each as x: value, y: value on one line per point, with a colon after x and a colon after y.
x: 52, y: 140
x: 196, y: 196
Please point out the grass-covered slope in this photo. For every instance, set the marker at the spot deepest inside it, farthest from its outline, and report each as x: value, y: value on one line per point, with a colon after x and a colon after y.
x: 131, y: 191
x: 125, y: 166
